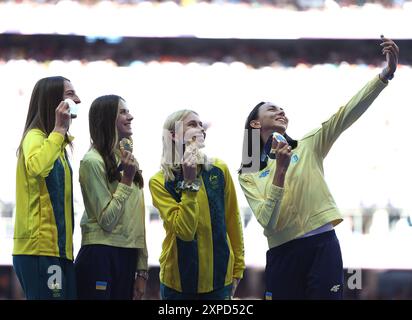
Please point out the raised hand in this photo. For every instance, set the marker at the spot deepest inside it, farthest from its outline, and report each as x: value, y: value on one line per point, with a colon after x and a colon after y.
x: 189, y: 166
x: 391, y: 51
x: 129, y: 167
x: 62, y: 122
x: 283, y: 153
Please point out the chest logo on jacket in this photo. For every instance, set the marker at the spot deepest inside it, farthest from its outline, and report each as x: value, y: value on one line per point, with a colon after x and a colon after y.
x: 294, y: 159
x: 264, y: 173
x: 214, y: 181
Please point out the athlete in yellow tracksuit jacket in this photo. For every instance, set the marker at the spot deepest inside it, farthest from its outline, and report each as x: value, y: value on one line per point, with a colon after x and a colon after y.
x: 203, y: 248
x: 43, y: 230
x: 44, y: 205
x: 304, y: 258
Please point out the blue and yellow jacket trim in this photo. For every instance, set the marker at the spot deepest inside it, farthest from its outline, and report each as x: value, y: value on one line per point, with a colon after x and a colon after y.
x: 44, y: 199
x: 203, y: 248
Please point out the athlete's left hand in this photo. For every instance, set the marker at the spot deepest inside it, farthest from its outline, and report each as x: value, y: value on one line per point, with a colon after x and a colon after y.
x: 391, y: 51
x: 235, y: 283
x: 139, y: 288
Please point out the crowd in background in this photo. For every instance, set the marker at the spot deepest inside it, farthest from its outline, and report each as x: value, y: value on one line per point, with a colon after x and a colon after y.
x: 255, y: 53
x: 284, y: 4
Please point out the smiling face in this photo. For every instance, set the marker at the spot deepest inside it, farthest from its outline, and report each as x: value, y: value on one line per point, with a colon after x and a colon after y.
x: 271, y: 118
x: 124, y: 121
x: 69, y: 92
x: 193, y: 130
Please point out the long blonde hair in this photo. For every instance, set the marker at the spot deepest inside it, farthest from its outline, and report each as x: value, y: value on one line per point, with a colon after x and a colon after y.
x: 172, y: 153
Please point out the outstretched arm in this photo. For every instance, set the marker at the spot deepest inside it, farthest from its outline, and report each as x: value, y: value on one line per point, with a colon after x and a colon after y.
x: 391, y: 50
x: 349, y: 113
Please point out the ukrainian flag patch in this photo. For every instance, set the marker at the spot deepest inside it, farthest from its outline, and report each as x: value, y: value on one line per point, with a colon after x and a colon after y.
x: 101, y: 285
x: 268, y: 295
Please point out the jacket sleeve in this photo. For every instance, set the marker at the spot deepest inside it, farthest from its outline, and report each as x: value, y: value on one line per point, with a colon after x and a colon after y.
x: 142, y: 258
x: 98, y: 199
x: 265, y: 208
x: 40, y: 152
x: 180, y: 218
x: 142, y: 254
x: 234, y: 226
x: 346, y: 116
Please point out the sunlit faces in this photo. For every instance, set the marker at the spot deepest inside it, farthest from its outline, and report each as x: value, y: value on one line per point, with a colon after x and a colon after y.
x: 124, y: 121
x: 272, y: 117
x: 193, y: 130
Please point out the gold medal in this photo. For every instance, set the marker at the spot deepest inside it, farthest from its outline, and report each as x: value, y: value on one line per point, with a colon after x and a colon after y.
x: 126, y: 144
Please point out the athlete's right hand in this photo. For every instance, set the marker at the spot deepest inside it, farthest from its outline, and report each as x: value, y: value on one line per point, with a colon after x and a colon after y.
x: 283, y: 154
x: 63, y: 117
x: 129, y: 167
x: 189, y: 166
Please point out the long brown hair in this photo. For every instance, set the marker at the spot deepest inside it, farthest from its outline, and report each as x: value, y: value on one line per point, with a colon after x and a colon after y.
x: 248, y: 141
x: 103, y: 133
x: 46, y: 96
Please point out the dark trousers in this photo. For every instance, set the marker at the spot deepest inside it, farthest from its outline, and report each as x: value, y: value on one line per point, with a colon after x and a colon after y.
x: 105, y: 272
x: 167, y: 293
x: 45, y: 278
x: 306, y: 268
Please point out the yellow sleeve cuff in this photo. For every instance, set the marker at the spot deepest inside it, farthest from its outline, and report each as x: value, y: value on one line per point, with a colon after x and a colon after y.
x: 123, y: 191
x: 381, y: 82
x: 189, y: 196
x: 275, y: 193
x: 57, y: 138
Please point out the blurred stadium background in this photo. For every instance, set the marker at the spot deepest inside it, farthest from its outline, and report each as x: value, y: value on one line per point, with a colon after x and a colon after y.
x: 220, y: 58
